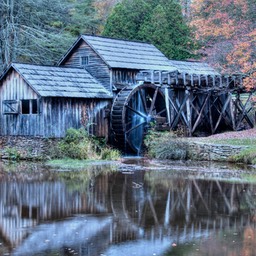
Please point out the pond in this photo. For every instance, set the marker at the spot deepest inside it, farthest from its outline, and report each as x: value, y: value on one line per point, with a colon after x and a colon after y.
x: 137, y: 207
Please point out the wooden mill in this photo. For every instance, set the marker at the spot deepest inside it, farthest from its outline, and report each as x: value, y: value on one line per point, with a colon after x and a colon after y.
x: 118, y: 89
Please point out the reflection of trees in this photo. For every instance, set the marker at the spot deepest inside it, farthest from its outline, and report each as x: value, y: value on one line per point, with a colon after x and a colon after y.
x: 145, y: 205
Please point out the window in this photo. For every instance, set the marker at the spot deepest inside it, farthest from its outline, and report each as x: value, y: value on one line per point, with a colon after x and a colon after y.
x: 84, y: 60
x: 29, y: 107
x: 25, y: 106
x: 34, y: 106
x: 11, y: 107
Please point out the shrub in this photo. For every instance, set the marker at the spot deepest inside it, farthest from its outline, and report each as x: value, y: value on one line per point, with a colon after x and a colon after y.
x: 13, y: 154
x: 77, y: 144
x: 165, y: 146
x: 110, y: 154
x: 247, y: 156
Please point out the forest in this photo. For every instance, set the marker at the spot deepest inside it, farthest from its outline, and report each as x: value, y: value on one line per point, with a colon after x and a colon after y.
x: 221, y: 33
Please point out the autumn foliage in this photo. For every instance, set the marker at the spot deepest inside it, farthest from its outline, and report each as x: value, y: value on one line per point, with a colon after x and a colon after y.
x: 226, y: 31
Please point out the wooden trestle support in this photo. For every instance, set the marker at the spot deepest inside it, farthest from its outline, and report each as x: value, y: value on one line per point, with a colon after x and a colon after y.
x: 202, y: 103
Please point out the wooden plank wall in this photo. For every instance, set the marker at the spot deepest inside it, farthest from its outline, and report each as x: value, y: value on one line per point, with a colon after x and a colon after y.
x: 55, y: 115
x: 15, y: 88
x: 124, y: 76
x: 97, y: 67
x: 61, y: 114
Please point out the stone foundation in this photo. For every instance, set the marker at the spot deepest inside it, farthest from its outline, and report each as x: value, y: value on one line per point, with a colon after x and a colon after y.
x: 212, y: 152
x: 26, y: 147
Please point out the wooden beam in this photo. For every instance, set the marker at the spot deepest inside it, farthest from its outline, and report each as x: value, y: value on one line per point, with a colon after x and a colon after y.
x: 180, y: 111
x: 221, y: 114
x: 200, y: 113
x: 243, y: 111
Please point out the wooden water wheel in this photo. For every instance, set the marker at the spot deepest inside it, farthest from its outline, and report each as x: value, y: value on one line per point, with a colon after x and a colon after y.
x: 134, y: 110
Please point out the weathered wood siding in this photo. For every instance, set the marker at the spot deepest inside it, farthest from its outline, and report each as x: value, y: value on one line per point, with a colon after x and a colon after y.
x: 124, y: 76
x: 96, y: 67
x: 55, y: 115
x: 61, y: 114
x: 14, y: 87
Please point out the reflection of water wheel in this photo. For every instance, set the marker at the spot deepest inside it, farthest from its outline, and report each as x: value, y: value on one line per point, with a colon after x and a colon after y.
x: 133, y: 110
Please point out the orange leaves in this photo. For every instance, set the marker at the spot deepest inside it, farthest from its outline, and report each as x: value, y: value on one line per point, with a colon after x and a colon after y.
x: 243, y: 58
x: 227, y: 33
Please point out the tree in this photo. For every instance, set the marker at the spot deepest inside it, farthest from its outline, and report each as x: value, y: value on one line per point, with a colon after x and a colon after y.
x: 103, y: 9
x: 158, y: 22
x: 226, y: 31
x: 40, y: 31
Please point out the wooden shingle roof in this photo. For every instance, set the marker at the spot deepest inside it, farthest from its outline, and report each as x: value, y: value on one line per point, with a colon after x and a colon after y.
x: 118, y: 53
x: 52, y: 81
x: 194, y: 67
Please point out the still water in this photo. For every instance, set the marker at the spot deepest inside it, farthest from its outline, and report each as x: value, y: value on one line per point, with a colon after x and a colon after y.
x: 138, y: 207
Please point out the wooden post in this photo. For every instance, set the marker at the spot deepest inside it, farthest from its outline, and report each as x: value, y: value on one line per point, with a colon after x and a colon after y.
x: 152, y: 77
x: 184, y: 78
x: 199, y: 80
x: 166, y: 93
x: 192, y: 80
x: 213, y: 81
x: 231, y: 109
x: 188, y: 107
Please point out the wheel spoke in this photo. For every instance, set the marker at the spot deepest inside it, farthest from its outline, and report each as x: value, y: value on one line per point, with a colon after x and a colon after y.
x: 135, y: 127
x: 136, y: 112
x: 143, y: 101
x: 153, y: 101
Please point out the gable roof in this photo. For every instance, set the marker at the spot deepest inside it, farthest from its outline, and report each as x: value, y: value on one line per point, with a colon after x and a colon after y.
x: 51, y: 81
x: 118, y: 53
x: 196, y: 68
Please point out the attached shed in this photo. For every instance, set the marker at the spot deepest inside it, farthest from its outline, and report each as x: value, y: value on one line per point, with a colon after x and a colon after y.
x: 47, y: 100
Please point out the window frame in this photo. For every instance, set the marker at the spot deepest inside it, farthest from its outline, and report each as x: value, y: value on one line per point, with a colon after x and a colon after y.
x: 31, y: 109
x: 84, y: 60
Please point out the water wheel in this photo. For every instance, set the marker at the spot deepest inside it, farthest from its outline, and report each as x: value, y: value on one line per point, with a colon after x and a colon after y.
x: 134, y: 110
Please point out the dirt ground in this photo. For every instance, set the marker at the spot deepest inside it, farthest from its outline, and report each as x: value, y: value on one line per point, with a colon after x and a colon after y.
x: 245, y: 134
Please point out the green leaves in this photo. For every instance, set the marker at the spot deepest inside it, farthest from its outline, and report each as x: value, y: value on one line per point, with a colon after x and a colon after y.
x: 158, y: 22
x: 40, y: 31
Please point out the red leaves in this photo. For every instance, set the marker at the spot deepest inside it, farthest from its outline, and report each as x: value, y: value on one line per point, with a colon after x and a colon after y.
x: 227, y: 34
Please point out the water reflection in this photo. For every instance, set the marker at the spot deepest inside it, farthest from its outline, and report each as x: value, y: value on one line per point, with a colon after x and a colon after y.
x: 142, y: 209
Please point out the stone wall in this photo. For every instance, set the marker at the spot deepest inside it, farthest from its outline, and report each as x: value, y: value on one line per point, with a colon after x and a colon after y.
x: 212, y: 152
x: 26, y: 147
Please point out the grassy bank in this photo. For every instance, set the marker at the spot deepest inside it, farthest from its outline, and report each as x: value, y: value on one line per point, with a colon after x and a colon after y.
x: 168, y: 145
x: 68, y: 163
x: 247, y: 156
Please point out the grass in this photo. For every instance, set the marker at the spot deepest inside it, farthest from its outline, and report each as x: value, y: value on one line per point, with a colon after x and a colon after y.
x: 235, y: 142
x: 248, y: 155
x: 249, y: 178
x: 69, y: 163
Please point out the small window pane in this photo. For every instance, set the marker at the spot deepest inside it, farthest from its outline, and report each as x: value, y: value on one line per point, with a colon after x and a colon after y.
x: 25, y: 106
x: 34, y: 106
x: 84, y: 60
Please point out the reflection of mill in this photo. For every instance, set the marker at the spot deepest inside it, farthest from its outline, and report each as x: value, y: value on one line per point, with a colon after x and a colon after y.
x: 181, y: 208
x: 145, y: 206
